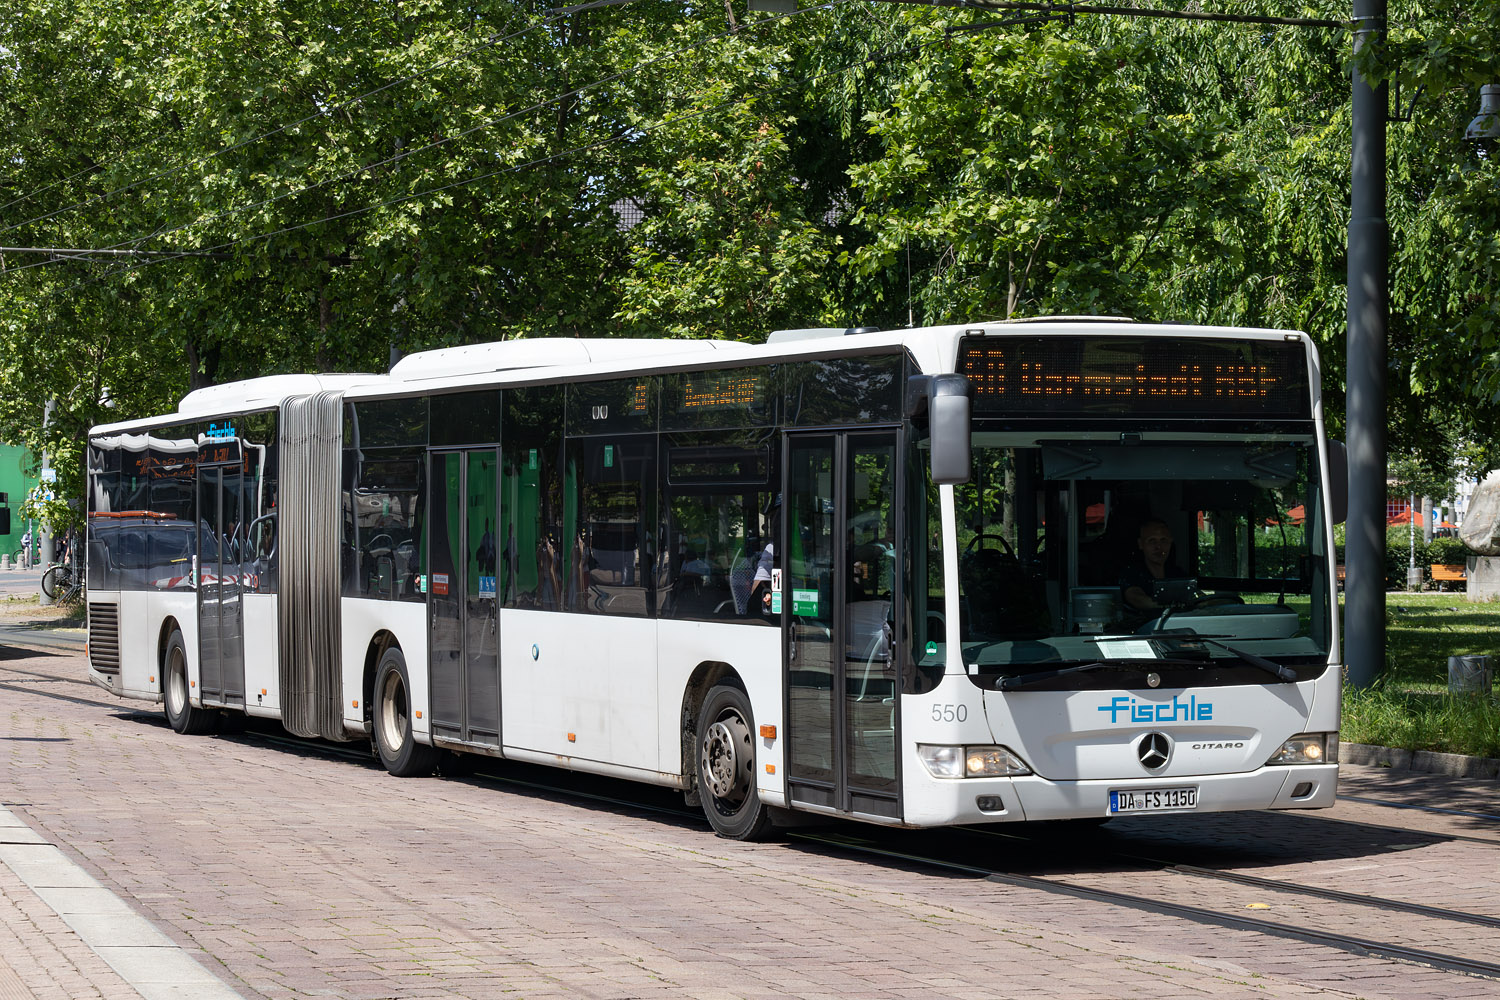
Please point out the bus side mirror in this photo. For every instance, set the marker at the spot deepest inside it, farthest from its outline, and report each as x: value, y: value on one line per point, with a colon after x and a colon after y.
x: 1338, y: 482
x: 945, y: 401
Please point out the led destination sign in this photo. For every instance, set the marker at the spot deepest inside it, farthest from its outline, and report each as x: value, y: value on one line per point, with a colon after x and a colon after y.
x: 724, y: 390
x: 1170, y: 377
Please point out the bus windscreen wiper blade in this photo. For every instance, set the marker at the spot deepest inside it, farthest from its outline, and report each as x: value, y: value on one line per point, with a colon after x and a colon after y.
x: 1281, y: 672
x: 1026, y: 680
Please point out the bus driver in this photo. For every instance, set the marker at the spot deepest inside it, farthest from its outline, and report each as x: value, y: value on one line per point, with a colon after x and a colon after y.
x: 1151, y: 564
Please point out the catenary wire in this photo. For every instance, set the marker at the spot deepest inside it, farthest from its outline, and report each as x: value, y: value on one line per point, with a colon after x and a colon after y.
x: 407, y: 154
x: 169, y: 255
x: 494, y: 39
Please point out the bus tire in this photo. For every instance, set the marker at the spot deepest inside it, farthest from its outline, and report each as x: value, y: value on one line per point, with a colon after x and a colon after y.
x: 176, y: 699
x: 399, y: 750
x: 726, y: 766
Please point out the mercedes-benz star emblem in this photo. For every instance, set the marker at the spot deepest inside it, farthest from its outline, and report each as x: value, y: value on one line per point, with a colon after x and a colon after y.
x: 1153, y: 750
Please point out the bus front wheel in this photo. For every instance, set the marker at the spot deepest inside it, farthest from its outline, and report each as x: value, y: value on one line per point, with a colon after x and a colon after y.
x: 726, y: 766
x: 181, y: 715
x: 399, y: 750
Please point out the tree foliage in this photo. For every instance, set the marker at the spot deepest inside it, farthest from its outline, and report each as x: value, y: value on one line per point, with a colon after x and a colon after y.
x: 358, y: 179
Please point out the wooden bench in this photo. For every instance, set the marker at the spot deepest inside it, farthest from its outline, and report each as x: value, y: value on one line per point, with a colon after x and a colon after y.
x: 1446, y: 573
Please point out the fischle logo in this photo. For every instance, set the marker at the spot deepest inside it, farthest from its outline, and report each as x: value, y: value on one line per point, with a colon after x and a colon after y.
x: 1179, y: 709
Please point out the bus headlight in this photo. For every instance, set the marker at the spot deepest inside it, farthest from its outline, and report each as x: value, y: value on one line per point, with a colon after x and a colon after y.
x: 1308, y: 748
x: 970, y: 762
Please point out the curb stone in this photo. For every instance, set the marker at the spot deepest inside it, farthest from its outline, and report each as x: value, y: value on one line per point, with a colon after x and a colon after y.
x: 1423, y: 761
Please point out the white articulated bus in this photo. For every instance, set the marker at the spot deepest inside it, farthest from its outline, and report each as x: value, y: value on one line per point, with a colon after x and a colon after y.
x: 1014, y: 571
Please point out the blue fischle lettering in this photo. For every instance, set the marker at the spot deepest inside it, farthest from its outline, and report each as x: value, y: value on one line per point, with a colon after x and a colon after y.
x: 1180, y: 709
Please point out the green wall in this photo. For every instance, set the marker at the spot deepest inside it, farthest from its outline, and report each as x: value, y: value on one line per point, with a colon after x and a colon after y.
x: 15, y: 481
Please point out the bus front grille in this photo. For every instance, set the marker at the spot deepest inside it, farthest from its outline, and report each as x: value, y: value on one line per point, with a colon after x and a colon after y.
x: 104, y: 637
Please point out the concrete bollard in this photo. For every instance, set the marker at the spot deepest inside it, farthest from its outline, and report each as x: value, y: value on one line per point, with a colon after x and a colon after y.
x: 4, y: 562
x: 1469, y: 675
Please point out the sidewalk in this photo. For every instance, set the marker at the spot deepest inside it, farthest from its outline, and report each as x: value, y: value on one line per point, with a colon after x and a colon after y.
x: 25, y: 622
x: 72, y: 937
x: 20, y: 582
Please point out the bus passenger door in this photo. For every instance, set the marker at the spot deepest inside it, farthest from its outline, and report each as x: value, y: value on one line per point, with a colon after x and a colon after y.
x: 221, y: 656
x: 463, y: 617
x: 839, y: 588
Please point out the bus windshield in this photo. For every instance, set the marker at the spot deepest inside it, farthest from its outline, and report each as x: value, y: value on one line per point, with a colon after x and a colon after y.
x: 1108, y: 545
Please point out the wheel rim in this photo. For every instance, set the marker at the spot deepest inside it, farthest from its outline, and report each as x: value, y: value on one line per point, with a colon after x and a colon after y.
x: 176, y: 682
x: 392, y: 712
x: 727, y: 758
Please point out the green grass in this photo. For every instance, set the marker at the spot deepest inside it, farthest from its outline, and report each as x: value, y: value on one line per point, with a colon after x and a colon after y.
x: 1409, y: 705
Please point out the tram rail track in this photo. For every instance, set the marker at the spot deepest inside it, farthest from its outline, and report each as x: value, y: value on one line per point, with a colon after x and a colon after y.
x: 877, y: 845
x: 1350, y: 943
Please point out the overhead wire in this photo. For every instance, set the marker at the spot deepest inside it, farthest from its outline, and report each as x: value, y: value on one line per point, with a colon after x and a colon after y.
x: 880, y: 56
x: 407, y: 154
x: 495, y: 39
x: 168, y: 253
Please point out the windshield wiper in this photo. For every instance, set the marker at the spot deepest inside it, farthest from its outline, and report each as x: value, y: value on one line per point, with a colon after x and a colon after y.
x: 1282, y: 673
x: 1145, y: 666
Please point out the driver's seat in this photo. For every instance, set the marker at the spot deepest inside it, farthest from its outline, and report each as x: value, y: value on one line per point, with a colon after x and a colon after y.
x: 999, y: 598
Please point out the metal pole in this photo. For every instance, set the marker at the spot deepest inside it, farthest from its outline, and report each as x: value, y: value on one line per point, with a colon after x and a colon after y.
x: 1364, y: 539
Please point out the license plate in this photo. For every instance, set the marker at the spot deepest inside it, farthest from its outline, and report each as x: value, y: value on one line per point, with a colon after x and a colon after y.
x: 1153, y: 800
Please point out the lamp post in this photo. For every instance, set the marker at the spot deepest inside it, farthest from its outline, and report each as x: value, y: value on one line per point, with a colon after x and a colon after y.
x: 1365, y: 361
x: 48, y: 548
x: 1484, y: 130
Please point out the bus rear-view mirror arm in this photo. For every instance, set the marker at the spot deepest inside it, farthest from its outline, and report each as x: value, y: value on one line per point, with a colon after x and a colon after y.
x: 944, y: 400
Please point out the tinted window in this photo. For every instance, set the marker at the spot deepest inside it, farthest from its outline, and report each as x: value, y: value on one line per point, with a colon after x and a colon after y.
x: 842, y: 391
x: 387, y: 509
x: 466, y: 418
x: 719, y: 508
x: 614, y: 484
x: 141, y: 509
x: 615, y: 407
x: 531, y: 520
x: 384, y: 423
x: 726, y: 397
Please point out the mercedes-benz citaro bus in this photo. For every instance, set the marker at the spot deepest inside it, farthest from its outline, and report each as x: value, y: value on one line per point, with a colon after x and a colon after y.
x: 1062, y: 569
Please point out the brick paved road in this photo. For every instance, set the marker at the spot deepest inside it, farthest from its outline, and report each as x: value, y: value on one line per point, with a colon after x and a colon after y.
x: 293, y: 874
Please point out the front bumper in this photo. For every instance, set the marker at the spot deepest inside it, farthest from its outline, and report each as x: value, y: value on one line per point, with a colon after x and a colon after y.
x: 939, y: 802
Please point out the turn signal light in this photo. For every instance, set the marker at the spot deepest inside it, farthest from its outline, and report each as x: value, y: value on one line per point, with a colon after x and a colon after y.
x: 768, y: 732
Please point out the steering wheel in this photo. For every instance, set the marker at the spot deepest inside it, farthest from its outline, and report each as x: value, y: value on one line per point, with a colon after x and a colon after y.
x: 1208, y: 601
x: 975, y: 543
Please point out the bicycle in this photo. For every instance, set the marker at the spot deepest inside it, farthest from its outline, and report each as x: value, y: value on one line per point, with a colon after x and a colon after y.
x: 62, y: 585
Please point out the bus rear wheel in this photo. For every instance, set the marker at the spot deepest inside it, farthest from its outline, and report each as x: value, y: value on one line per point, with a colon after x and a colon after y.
x: 726, y: 766
x: 399, y: 750
x: 182, y: 716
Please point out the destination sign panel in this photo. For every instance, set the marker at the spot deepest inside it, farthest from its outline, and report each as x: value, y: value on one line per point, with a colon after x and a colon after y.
x: 1103, y: 376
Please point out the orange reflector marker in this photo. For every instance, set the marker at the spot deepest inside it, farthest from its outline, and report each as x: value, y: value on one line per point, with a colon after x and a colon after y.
x: 355, y: 702
x: 192, y: 683
x: 263, y: 691
x: 572, y: 737
x: 768, y: 732
x: 150, y: 680
x: 419, y: 713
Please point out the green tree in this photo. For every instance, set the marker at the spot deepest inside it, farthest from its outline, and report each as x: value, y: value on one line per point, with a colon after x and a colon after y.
x: 1032, y: 176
